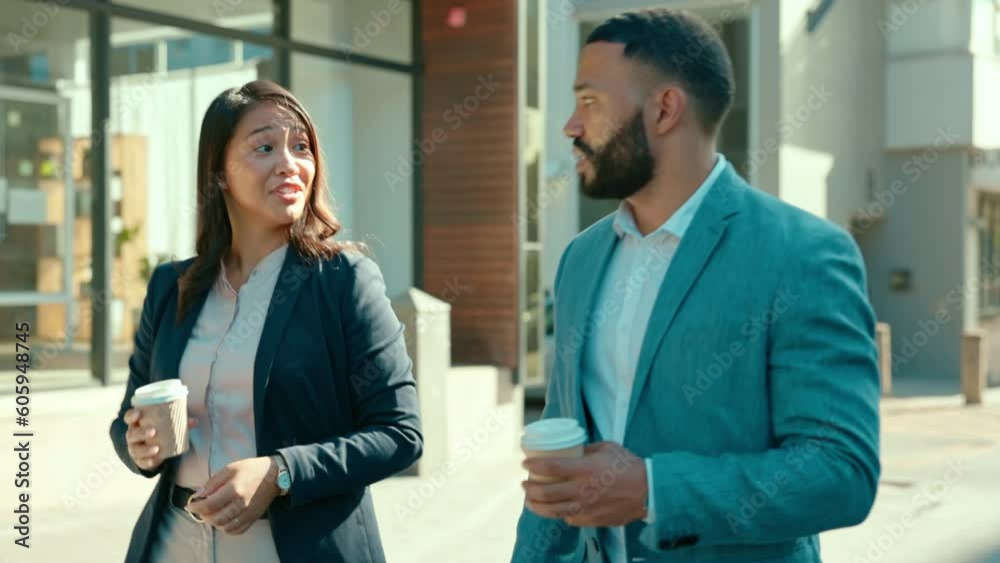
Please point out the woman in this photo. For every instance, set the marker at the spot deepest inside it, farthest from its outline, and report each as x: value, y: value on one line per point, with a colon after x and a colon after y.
x: 301, y: 392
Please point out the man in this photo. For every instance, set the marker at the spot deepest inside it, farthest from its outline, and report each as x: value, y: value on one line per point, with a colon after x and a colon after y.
x: 716, y: 342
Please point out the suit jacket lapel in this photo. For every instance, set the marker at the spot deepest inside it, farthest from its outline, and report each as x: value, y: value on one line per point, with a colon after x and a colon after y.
x: 177, y: 335
x: 697, y: 246
x: 294, y: 273
x: 587, y: 287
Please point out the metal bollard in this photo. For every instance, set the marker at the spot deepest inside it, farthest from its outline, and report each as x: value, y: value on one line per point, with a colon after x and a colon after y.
x: 974, y: 364
x: 883, y: 339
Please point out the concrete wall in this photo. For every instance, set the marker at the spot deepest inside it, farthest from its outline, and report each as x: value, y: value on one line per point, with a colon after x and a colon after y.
x: 832, y: 107
x: 923, y: 230
x: 954, y: 42
x: 383, y: 205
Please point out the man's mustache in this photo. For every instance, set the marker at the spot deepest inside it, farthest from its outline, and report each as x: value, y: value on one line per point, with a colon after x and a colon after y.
x: 586, y: 150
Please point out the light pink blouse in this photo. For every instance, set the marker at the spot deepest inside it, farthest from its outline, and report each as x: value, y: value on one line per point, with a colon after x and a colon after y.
x: 217, y: 367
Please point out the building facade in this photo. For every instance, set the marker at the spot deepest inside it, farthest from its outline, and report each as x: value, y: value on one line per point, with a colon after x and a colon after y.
x: 428, y: 115
x: 874, y: 115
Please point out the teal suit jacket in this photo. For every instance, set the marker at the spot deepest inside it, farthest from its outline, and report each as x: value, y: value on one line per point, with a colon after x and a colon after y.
x: 756, y: 394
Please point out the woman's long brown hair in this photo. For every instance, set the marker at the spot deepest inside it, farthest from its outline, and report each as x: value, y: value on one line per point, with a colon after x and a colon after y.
x: 311, y: 234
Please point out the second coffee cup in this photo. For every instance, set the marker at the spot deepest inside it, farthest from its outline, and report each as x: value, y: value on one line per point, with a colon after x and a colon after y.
x: 553, y: 437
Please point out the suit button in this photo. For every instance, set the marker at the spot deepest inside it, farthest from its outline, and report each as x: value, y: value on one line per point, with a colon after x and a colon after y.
x: 682, y: 541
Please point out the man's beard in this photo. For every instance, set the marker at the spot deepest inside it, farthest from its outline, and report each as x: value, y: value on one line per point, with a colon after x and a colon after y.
x: 622, y: 166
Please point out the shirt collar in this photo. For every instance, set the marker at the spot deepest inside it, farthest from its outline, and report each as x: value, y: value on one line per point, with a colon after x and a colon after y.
x: 269, y: 265
x: 679, y: 222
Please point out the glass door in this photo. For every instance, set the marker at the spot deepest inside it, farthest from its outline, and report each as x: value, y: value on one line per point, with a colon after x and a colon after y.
x: 36, y: 214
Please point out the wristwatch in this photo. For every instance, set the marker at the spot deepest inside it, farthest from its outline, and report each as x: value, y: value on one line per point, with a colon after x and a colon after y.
x: 284, y: 480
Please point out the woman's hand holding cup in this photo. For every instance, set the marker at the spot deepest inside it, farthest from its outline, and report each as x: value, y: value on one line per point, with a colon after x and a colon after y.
x: 143, y: 441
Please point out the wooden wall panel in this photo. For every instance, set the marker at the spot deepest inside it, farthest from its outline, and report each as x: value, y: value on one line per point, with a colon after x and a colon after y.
x: 470, y: 181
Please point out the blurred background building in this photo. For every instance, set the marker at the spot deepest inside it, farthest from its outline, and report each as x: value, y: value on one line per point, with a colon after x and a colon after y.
x: 441, y: 122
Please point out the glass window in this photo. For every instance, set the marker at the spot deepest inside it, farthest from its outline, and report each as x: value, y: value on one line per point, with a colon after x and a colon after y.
x: 375, y: 28
x: 364, y: 117
x: 196, y: 51
x: 45, y: 241
x: 133, y: 59
x: 255, y: 15
x: 155, y: 123
x: 989, y: 253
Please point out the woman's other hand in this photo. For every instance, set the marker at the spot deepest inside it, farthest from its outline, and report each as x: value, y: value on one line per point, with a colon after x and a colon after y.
x: 238, y: 495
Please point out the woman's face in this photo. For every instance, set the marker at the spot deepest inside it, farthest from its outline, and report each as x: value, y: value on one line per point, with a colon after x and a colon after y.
x: 270, y: 167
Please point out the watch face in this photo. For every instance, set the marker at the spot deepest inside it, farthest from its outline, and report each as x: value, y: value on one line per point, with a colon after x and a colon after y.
x: 284, y: 480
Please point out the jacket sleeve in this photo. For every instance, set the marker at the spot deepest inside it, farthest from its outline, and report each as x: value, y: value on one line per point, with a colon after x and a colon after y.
x: 823, y: 470
x: 139, y: 362
x: 539, y: 539
x: 383, y: 395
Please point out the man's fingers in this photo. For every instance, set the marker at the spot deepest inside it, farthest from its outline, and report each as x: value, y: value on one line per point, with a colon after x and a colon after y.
x: 556, y: 510
x: 563, y: 491
x: 556, y: 467
x: 595, y: 447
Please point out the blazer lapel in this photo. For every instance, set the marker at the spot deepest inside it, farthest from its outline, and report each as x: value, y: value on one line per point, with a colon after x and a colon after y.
x: 294, y: 273
x: 587, y: 286
x: 697, y: 246
x: 177, y: 335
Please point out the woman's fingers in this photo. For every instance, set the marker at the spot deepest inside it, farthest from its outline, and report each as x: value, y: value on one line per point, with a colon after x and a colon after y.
x: 131, y: 416
x: 139, y: 434
x: 145, y: 451
x: 148, y: 463
x: 192, y: 422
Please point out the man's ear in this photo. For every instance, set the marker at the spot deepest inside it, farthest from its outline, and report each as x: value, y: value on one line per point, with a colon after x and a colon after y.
x: 670, y: 103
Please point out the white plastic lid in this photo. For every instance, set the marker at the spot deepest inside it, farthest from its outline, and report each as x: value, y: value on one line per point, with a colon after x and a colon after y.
x: 553, y: 434
x: 159, y: 392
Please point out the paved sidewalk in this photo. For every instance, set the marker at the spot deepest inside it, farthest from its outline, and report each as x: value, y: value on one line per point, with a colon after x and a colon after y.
x: 937, y: 503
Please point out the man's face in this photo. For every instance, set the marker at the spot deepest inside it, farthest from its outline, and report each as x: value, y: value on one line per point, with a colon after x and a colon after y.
x: 607, y: 127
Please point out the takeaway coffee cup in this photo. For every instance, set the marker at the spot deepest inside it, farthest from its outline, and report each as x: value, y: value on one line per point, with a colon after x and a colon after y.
x: 553, y: 437
x: 164, y: 403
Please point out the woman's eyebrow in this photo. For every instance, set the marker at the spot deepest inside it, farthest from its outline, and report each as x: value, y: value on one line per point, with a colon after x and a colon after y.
x: 259, y: 130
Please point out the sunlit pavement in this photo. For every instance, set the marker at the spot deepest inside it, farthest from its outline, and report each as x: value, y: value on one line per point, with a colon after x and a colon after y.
x: 939, y: 501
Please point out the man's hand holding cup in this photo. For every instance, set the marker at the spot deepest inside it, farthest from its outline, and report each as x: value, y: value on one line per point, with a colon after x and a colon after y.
x: 597, y: 485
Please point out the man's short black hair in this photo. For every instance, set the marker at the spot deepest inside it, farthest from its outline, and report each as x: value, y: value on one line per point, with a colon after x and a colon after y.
x: 682, y: 47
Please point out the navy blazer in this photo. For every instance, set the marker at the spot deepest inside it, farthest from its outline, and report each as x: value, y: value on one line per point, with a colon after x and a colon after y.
x: 333, y: 392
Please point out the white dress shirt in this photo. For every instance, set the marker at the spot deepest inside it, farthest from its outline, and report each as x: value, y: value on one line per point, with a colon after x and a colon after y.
x: 217, y: 368
x: 629, y: 290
